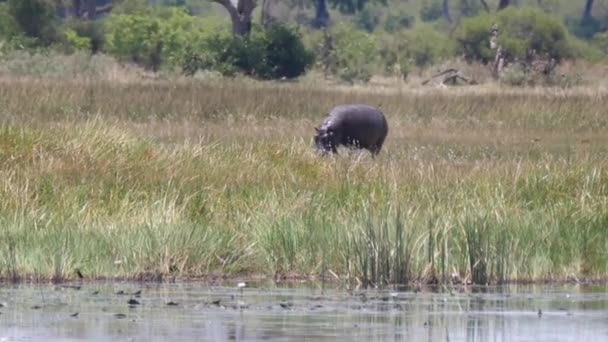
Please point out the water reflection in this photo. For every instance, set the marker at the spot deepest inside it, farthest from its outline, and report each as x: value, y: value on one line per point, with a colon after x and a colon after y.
x: 207, y: 313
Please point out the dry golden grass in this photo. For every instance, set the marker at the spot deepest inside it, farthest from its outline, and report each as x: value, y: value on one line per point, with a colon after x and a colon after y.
x: 188, y: 178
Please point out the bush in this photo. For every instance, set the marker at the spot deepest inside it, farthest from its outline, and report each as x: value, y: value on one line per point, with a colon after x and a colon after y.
x: 35, y: 18
x: 271, y: 53
x: 431, y: 10
x: 600, y: 41
x: 368, y: 18
x: 473, y: 37
x: 425, y: 45
x: 520, y: 30
x: 469, y: 8
x: 136, y: 38
x: 353, y: 53
x: 396, y: 22
x: 589, y: 50
x: 584, y: 28
x: 285, y: 53
x: 392, y: 54
x: 419, y: 47
x: 80, y: 30
x: 8, y: 25
x: 75, y: 41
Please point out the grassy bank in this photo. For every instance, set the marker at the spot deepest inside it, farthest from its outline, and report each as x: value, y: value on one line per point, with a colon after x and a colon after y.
x: 191, y: 178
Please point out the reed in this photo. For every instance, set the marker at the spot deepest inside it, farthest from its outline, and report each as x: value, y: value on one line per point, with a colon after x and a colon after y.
x: 187, y: 179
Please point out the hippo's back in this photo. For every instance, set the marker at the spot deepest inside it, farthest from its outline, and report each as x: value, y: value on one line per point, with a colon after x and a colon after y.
x: 361, y: 121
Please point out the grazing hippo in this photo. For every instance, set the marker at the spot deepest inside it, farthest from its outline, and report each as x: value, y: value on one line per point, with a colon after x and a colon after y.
x: 353, y: 125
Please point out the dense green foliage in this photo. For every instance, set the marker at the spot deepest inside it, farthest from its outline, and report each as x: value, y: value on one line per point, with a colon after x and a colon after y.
x: 520, y: 31
x: 178, y: 39
x: 35, y: 18
x: 431, y: 10
x: 366, y: 37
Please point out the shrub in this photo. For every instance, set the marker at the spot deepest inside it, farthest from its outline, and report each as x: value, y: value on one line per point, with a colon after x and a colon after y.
x: 425, y: 45
x: 368, y: 18
x: 8, y: 25
x: 392, y: 54
x: 584, y: 28
x: 589, y: 50
x: 521, y: 30
x: 136, y: 38
x: 473, y: 37
x: 600, y: 41
x: 75, y: 41
x: 469, y: 8
x: 93, y: 31
x: 353, y: 53
x: 419, y: 47
x: 396, y: 22
x: 285, y: 53
x: 271, y: 53
x: 35, y: 18
x: 431, y: 10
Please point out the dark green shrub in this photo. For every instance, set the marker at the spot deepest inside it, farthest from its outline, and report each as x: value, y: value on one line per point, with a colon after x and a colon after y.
x: 8, y: 25
x: 431, y: 10
x: 419, y: 47
x: 285, y: 53
x: 473, y: 37
x: 425, y: 46
x: 271, y: 53
x: 396, y: 22
x: 353, y: 53
x: 520, y: 31
x: 368, y: 18
x: 585, y: 49
x: 469, y: 8
x: 600, y: 41
x: 135, y: 38
x: 35, y: 18
x: 80, y: 30
x: 584, y: 28
x: 524, y: 29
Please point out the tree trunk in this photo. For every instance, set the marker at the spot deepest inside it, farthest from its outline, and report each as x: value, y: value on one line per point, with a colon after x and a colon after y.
x: 502, y: 4
x: 321, y: 14
x: 588, y: 9
x: 240, y: 14
x: 446, y: 11
x: 485, y: 5
x: 76, y: 8
x: 91, y: 9
x: 264, y: 14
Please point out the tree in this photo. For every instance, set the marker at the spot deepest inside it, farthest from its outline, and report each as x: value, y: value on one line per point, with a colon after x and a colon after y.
x: 36, y: 18
x: 87, y: 9
x: 321, y: 14
x: 446, y: 11
x: 240, y: 14
x: 352, y: 6
x: 502, y: 4
x: 588, y: 8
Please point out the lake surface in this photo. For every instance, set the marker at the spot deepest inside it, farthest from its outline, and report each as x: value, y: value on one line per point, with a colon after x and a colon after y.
x: 198, y: 312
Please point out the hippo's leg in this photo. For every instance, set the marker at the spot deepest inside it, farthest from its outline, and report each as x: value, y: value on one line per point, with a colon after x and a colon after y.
x: 377, y: 147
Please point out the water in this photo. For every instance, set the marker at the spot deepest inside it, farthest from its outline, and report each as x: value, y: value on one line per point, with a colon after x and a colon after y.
x: 95, y: 312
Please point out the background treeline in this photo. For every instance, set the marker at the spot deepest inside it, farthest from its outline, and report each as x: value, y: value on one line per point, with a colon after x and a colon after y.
x: 271, y: 39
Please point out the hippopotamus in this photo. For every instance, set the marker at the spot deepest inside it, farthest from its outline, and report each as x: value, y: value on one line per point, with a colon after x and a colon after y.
x: 352, y: 125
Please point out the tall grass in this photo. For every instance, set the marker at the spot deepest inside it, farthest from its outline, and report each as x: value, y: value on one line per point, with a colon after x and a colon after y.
x: 188, y: 179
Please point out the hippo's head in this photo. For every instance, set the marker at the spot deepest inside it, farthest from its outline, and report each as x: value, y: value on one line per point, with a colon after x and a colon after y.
x: 325, y: 140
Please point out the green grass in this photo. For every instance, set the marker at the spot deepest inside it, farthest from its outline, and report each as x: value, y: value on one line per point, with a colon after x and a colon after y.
x: 185, y: 179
